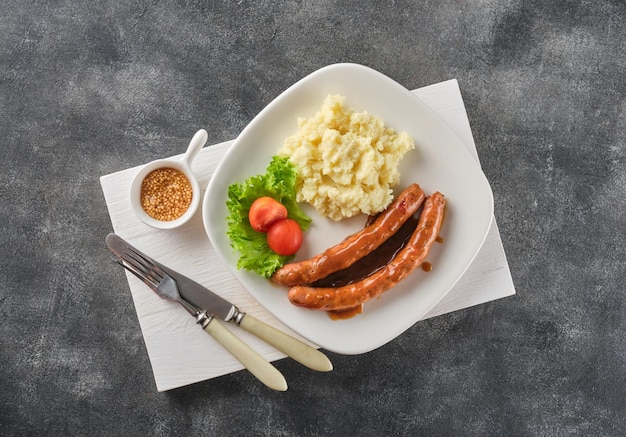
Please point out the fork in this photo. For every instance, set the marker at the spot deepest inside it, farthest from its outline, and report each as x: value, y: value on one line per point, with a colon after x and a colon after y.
x: 165, y: 286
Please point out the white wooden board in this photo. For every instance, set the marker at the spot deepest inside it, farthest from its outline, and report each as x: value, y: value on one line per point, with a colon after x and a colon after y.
x: 180, y: 352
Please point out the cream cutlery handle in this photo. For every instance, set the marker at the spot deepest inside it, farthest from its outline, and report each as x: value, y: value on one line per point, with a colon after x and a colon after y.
x: 255, y: 363
x: 299, y: 351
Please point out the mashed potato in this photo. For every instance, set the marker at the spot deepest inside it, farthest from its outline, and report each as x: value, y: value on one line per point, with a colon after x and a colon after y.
x: 347, y: 161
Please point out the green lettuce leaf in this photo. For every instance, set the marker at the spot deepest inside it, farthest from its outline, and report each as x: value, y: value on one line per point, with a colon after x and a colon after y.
x: 278, y: 182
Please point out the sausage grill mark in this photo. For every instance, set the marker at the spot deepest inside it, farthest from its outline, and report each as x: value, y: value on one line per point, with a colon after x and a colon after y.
x: 356, y: 246
x: 411, y: 256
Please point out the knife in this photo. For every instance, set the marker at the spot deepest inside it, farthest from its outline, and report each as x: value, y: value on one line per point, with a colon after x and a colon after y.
x: 224, y: 310
x: 219, y: 307
x: 144, y: 267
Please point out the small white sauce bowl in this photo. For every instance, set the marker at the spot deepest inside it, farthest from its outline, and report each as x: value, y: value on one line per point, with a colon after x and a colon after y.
x: 182, y: 164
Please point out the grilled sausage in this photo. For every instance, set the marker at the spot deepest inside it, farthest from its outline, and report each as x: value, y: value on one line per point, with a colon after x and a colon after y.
x: 411, y: 256
x: 356, y: 246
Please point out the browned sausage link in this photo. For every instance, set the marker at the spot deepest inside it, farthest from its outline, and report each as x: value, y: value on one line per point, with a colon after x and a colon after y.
x: 356, y: 246
x: 411, y: 256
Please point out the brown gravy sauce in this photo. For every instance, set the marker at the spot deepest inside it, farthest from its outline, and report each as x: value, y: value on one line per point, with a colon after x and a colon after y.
x: 345, y: 314
x: 372, y: 263
x: 375, y: 261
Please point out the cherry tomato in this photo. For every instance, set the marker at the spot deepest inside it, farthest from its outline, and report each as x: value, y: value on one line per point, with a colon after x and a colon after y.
x: 285, y: 237
x: 264, y: 212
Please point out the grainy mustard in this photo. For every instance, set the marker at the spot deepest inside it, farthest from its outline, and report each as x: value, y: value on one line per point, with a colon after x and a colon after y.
x: 166, y: 194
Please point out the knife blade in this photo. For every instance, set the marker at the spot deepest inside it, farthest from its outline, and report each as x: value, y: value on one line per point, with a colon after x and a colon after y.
x: 217, y: 306
x: 225, y: 310
x: 145, y: 268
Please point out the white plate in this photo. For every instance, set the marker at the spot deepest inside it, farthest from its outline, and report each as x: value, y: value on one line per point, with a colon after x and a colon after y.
x: 440, y: 162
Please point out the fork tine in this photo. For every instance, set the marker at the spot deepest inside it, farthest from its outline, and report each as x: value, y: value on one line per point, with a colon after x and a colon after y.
x: 143, y: 264
x: 147, y: 261
x: 146, y: 280
x: 139, y: 267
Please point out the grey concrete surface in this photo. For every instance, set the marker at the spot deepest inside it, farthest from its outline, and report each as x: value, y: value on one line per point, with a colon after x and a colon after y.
x: 90, y: 88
